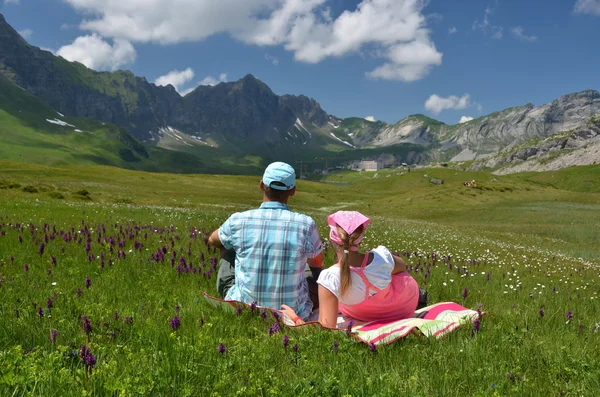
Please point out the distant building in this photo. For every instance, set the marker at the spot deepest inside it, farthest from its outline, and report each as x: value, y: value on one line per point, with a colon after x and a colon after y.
x: 367, y: 165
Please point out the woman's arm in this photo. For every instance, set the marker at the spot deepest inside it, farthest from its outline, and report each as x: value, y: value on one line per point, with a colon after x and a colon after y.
x: 399, y: 265
x: 328, y: 309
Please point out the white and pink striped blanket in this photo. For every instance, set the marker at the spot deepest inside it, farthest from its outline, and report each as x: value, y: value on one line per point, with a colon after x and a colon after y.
x: 435, y: 321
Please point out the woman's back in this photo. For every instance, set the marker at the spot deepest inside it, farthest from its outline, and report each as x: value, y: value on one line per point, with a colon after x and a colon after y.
x: 378, y: 274
x: 375, y: 294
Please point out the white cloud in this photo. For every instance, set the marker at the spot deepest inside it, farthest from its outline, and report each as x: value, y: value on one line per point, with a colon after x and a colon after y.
x: 177, y: 78
x: 452, y: 30
x: 209, y: 80
x: 97, y: 54
x: 272, y: 59
x: 371, y: 119
x: 6, y: 2
x: 465, y: 119
x: 587, y: 7
x: 518, y: 32
x: 304, y: 27
x: 25, y: 33
x: 495, y: 31
x: 437, y: 104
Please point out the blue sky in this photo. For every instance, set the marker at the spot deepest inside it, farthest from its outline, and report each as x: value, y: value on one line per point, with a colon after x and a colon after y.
x: 380, y: 58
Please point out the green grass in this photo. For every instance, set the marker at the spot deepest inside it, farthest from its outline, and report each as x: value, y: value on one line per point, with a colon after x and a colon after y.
x: 531, y: 233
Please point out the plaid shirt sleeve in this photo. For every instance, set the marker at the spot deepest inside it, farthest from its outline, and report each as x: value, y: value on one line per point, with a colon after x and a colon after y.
x: 225, y: 234
x: 313, y: 245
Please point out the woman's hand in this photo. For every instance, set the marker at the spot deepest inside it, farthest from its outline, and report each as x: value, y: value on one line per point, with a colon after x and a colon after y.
x: 289, y: 312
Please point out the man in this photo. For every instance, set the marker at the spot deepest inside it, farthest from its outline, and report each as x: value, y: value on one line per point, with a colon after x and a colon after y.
x: 271, y: 246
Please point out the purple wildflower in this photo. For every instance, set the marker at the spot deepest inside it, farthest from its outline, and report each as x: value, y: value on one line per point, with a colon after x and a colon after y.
x: 49, y: 303
x: 222, y: 348
x: 79, y: 292
x: 175, y: 323
x: 274, y: 329
x: 372, y: 347
x: 86, y: 324
x: 26, y: 267
x: 88, y: 282
x: 465, y: 293
x: 87, y: 357
x: 263, y: 314
x: 116, y: 316
x: 177, y: 308
x: 20, y: 239
x: 253, y: 306
x: 40, y: 312
x: 336, y: 344
x: 53, y: 334
x: 41, y: 250
x: 569, y: 316
x: 276, y: 316
x: 295, y: 348
x: 349, y: 328
x: 286, y: 341
x: 476, y: 325
x: 238, y: 310
x: 12, y: 258
x: 541, y: 312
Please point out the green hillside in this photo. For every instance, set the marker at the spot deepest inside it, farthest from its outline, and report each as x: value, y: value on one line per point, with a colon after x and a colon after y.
x: 32, y: 132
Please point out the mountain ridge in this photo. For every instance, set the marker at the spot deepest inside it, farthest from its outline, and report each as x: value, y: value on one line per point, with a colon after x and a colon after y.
x: 247, y: 118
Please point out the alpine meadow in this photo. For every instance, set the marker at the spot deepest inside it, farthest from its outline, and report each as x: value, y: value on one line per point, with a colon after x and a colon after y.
x: 130, y: 132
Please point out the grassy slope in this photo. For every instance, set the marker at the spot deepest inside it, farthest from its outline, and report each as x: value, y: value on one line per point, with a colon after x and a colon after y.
x: 28, y: 137
x: 541, y: 204
x: 503, y: 229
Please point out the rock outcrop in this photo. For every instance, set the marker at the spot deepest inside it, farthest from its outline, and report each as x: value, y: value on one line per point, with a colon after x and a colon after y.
x: 580, y: 147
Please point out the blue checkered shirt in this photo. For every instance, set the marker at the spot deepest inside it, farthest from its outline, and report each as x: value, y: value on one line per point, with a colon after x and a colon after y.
x: 272, y: 244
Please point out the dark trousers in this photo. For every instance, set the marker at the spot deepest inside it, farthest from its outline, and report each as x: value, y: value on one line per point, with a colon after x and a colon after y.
x: 226, y: 277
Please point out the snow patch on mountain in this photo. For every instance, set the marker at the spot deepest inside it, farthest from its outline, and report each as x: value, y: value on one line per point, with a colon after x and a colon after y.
x: 344, y: 142
x: 300, y: 127
x: 60, y: 122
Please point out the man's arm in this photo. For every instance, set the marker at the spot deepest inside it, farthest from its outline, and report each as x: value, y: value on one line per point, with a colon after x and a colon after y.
x: 316, y: 262
x: 214, y: 240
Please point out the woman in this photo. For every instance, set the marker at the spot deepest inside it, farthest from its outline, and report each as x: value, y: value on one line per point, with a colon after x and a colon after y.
x: 368, y: 287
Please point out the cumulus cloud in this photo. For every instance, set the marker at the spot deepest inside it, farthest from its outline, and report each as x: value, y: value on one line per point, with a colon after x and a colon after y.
x: 437, y: 104
x: 519, y: 33
x: 25, y: 33
x: 452, y: 30
x: 495, y: 31
x: 587, y: 7
x: 465, y: 119
x: 371, y: 119
x: 97, y: 54
x: 209, y: 80
x: 394, y: 30
x: 176, y: 78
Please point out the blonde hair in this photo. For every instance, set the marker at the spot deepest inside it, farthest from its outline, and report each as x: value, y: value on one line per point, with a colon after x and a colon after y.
x: 348, y: 241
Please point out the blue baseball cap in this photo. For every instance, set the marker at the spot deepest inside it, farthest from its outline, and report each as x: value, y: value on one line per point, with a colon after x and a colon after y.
x: 279, y: 176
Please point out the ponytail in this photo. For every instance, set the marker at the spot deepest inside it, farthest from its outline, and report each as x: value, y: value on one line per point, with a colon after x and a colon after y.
x: 347, y: 243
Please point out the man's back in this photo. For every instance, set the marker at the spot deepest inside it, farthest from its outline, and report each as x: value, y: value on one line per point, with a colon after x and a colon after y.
x: 272, y: 244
